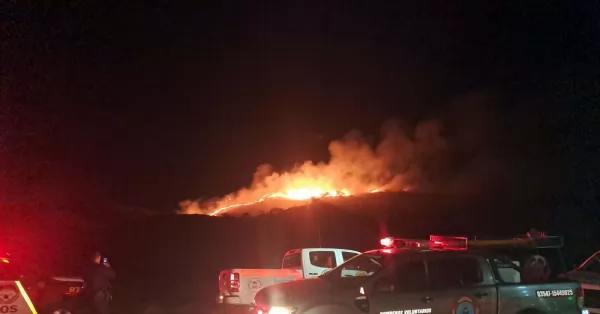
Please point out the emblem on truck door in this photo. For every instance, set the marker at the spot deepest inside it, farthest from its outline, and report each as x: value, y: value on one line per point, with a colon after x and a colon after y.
x: 8, y: 293
x: 254, y: 284
x: 465, y: 305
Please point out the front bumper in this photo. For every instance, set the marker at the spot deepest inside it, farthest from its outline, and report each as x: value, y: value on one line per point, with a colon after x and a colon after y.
x: 233, y: 308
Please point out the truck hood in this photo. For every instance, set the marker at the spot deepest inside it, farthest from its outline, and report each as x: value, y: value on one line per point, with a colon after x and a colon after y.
x: 67, y: 279
x: 293, y: 292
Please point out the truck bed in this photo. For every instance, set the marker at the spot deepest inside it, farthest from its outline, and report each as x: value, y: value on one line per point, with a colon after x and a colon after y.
x: 548, y: 297
x: 252, y: 280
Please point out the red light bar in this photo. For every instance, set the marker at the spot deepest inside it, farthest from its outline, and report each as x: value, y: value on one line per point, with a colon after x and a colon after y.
x: 446, y: 243
x: 399, y: 243
x: 387, y: 242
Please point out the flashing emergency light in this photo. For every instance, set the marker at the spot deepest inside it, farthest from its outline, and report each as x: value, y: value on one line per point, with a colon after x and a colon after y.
x: 391, y: 242
x: 447, y: 243
x: 387, y: 242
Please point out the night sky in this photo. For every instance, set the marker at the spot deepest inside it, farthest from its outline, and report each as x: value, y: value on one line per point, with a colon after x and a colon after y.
x: 135, y: 103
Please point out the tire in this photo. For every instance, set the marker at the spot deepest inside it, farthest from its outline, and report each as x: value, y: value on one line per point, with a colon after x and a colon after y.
x: 59, y: 308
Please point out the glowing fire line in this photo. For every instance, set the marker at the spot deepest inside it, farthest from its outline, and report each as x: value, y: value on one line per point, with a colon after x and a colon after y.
x: 295, y: 195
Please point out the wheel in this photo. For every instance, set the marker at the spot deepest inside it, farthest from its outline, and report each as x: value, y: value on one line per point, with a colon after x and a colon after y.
x: 59, y: 308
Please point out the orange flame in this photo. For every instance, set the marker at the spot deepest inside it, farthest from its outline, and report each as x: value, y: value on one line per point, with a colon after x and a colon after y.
x: 354, y: 168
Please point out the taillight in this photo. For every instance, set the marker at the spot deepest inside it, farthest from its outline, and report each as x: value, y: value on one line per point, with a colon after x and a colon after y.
x: 579, y: 298
x: 234, y: 282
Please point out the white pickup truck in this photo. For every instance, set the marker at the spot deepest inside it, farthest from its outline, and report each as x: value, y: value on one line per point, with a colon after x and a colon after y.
x: 237, y: 287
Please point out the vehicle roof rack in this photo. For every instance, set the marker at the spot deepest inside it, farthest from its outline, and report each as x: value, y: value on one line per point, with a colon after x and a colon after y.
x: 532, y: 240
x: 521, y: 242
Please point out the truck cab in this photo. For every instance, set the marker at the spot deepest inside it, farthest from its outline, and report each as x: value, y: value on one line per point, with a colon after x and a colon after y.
x: 315, y: 262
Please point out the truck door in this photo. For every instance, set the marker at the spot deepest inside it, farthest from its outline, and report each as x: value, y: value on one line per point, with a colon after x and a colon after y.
x: 14, y: 298
x: 317, y: 262
x: 402, y: 289
x: 460, y: 284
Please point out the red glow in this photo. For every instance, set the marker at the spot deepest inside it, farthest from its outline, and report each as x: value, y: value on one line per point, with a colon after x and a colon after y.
x: 260, y: 310
x: 387, y: 242
x: 386, y: 251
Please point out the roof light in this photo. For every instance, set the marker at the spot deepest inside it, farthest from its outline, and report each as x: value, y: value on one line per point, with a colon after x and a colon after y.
x: 399, y: 243
x: 447, y: 243
x: 387, y: 242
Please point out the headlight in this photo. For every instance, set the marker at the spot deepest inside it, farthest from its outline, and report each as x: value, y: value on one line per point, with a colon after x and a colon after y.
x: 276, y: 310
x: 282, y: 310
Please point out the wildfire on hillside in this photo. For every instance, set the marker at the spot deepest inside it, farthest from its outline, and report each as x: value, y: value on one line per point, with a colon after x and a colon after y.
x: 354, y: 168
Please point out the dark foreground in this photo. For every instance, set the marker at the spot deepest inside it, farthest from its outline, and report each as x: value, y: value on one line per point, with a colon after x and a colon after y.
x: 170, y: 263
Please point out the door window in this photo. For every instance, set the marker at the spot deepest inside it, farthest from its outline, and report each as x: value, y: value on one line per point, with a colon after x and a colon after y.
x: 411, y: 275
x: 454, y: 272
x: 407, y: 276
x: 348, y: 255
x: 323, y: 259
x: 364, y: 265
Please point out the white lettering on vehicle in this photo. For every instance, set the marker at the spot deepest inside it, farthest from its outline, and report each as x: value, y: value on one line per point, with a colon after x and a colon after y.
x: 413, y: 311
x: 554, y: 293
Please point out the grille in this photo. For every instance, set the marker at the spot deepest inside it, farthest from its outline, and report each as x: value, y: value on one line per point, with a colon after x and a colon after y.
x: 591, y: 298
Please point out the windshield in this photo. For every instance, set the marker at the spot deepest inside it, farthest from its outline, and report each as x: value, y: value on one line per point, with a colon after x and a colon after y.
x: 592, y: 264
x: 292, y: 261
x: 363, y: 265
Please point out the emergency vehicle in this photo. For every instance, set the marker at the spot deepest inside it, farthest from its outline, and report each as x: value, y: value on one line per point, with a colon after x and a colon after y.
x: 21, y: 293
x: 439, y: 275
x: 238, y: 286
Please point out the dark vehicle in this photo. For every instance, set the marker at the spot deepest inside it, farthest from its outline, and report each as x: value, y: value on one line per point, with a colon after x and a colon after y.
x: 49, y: 294
x: 442, y: 275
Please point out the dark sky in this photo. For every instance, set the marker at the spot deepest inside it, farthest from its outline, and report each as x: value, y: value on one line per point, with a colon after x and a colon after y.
x: 151, y: 102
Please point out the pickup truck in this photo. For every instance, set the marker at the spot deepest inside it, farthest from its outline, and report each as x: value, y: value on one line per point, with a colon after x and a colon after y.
x: 588, y: 274
x: 237, y: 287
x: 416, y: 276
